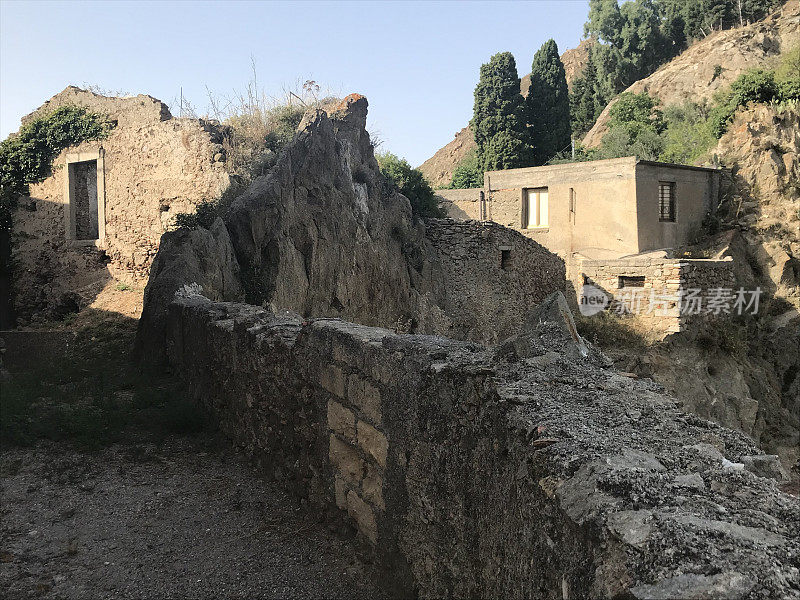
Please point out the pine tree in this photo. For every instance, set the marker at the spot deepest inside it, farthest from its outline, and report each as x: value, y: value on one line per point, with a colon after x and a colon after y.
x: 548, y: 104
x: 498, y: 121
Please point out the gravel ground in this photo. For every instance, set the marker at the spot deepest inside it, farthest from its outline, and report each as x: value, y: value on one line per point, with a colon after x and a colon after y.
x: 185, y: 519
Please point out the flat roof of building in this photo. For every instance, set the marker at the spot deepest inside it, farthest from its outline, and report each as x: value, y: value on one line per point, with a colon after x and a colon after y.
x: 624, y: 159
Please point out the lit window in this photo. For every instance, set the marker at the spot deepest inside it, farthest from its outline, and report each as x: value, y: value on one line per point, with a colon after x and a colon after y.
x: 535, y: 208
x: 666, y: 201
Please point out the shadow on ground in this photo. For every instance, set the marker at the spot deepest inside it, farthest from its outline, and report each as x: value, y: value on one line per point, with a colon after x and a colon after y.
x: 113, y: 485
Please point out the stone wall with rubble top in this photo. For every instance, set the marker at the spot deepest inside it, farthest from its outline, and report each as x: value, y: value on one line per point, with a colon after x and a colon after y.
x: 493, y: 276
x: 468, y: 474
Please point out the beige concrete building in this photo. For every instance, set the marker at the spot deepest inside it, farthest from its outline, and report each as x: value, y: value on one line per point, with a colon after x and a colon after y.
x: 616, y: 223
x: 102, y: 211
x: 600, y: 209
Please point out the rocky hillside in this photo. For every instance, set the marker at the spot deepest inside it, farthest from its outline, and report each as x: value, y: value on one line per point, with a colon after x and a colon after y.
x: 715, y: 62
x: 755, y: 385
x: 438, y: 169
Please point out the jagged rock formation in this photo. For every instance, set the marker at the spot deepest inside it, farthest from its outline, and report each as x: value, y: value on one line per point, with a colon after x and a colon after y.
x: 693, y: 75
x: 438, y: 169
x: 762, y: 146
x: 323, y: 234
x: 475, y: 474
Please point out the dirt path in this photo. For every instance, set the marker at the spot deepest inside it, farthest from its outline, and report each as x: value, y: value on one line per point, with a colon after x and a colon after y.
x: 185, y: 519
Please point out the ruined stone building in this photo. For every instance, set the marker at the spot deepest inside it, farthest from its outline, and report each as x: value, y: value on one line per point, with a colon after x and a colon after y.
x: 102, y: 211
x: 616, y: 222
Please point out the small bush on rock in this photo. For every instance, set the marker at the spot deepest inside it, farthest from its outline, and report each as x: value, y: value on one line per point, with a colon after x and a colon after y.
x: 411, y: 183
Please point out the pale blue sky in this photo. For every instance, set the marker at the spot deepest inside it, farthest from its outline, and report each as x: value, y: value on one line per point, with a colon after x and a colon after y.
x: 417, y: 62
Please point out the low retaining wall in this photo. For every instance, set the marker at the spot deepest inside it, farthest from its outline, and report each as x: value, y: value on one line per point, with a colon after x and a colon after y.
x: 471, y: 475
x: 674, y: 294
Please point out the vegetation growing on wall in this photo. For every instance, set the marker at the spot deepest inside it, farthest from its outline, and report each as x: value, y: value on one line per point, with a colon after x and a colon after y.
x: 411, y: 183
x: 548, y: 105
x: 27, y: 158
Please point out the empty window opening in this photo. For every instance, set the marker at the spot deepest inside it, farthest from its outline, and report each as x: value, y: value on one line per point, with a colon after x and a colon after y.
x: 505, y: 259
x: 631, y: 281
x: 536, y: 209
x: 666, y: 201
x: 83, y: 200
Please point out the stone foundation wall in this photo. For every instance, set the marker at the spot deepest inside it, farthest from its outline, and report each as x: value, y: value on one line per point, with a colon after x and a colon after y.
x: 668, y: 284
x: 470, y: 475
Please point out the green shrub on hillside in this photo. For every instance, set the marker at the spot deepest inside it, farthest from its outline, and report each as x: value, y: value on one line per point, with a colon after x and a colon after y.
x: 468, y: 173
x: 411, y: 183
x: 755, y: 85
x: 687, y: 135
x: 635, y: 126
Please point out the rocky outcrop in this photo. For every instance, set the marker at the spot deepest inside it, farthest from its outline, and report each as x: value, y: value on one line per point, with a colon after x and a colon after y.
x: 438, y: 169
x: 469, y: 473
x: 324, y: 234
x: 762, y: 147
x: 715, y: 62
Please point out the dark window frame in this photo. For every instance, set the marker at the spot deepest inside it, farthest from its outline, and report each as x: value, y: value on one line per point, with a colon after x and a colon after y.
x: 666, y: 202
x: 630, y: 281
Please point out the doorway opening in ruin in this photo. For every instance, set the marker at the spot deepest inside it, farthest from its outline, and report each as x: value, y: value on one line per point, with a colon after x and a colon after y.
x: 85, y: 197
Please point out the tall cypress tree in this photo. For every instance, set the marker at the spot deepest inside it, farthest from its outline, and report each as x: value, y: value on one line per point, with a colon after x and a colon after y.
x: 498, y: 121
x: 548, y: 104
x: 585, y: 103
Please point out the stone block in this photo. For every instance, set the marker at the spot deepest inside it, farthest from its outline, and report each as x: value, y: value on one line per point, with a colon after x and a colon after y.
x: 340, y: 492
x: 366, y: 397
x: 346, y: 460
x: 372, y: 487
x: 341, y: 420
x: 373, y: 442
x: 362, y: 514
x: 333, y: 380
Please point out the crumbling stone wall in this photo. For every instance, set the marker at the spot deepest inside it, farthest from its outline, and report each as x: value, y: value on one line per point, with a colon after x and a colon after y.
x: 493, y: 276
x: 475, y: 473
x: 666, y: 281
x: 154, y: 167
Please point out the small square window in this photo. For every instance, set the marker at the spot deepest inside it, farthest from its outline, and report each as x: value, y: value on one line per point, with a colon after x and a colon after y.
x: 631, y: 281
x: 666, y: 201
